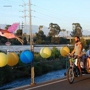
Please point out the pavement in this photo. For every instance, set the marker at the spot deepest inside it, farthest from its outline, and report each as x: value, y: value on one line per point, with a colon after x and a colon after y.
x: 80, y: 83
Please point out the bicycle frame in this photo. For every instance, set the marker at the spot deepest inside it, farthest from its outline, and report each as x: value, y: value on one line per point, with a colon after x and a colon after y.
x: 73, y: 70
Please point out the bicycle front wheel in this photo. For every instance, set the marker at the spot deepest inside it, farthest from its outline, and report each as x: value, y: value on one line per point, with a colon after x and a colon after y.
x: 70, y: 75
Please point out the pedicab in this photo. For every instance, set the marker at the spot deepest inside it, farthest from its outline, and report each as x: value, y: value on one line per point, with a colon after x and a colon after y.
x: 73, y: 70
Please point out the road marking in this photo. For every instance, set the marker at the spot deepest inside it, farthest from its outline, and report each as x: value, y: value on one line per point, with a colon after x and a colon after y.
x: 45, y: 84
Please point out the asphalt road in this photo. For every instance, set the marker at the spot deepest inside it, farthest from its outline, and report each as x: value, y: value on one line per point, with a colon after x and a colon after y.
x: 80, y: 83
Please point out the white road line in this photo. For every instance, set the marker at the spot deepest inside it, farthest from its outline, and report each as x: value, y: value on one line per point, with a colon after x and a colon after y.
x: 19, y: 87
x: 45, y: 84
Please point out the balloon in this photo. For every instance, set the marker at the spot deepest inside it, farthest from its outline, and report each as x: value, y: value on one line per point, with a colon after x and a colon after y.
x: 26, y: 56
x: 3, y: 59
x: 45, y: 52
x: 64, y: 51
x: 13, y: 59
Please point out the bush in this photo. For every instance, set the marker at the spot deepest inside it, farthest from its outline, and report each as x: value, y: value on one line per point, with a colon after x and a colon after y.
x: 6, y: 75
x: 41, y: 65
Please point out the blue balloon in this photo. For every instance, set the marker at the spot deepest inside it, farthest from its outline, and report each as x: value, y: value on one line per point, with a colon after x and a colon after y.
x: 26, y: 56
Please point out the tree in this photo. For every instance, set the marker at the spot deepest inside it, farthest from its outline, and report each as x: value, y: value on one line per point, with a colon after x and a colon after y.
x: 55, y: 40
x: 49, y: 39
x: 40, y: 36
x: 63, y: 30
x: 40, y: 27
x: 77, y: 30
x: 19, y: 32
x: 25, y: 41
x: 83, y: 42
x: 87, y: 44
x: 54, y: 29
x: 63, y: 40
x: 7, y: 26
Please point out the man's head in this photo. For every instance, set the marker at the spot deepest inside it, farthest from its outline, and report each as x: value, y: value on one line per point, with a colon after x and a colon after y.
x: 77, y: 38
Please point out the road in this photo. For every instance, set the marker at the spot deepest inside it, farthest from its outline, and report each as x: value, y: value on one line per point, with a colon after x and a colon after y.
x: 80, y: 83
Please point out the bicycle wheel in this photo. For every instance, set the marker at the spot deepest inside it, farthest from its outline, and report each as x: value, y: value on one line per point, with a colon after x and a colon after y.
x: 70, y: 75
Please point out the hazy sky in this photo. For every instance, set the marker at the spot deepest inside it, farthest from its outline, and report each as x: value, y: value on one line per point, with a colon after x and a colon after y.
x: 62, y: 12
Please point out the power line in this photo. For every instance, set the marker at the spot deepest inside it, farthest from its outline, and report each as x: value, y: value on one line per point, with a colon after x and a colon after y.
x: 50, y: 15
x: 51, y: 12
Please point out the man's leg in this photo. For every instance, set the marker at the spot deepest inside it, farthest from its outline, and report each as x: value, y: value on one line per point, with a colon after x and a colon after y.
x: 88, y: 63
x: 79, y: 67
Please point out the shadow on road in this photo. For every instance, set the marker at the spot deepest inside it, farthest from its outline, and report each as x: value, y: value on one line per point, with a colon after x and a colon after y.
x: 82, y: 78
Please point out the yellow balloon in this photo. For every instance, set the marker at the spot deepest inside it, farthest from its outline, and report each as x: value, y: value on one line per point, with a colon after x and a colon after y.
x: 45, y: 52
x: 13, y: 59
x: 64, y: 51
x: 3, y: 59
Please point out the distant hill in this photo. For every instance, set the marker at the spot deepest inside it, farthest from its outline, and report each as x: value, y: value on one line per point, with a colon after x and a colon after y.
x: 2, y: 26
x: 35, y: 29
x: 26, y: 28
x: 45, y: 29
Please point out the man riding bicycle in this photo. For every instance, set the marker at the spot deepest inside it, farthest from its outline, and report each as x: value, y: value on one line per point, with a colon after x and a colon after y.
x: 77, y: 51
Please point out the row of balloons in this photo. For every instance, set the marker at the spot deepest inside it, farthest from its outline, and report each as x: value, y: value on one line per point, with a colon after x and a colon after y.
x: 12, y: 58
x: 26, y: 56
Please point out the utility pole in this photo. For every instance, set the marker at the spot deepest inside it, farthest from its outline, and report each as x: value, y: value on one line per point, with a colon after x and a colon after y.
x: 24, y: 11
x: 22, y: 29
x: 31, y: 44
x: 24, y: 14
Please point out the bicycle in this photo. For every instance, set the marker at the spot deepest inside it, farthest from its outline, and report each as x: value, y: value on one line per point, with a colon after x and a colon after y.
x: 73, y: 70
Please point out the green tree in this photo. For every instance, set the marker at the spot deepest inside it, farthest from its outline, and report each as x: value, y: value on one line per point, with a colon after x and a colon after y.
x: 19, y: 32
x: 83, y: 42
x: 54, y: 29
x: 3, y: 40
x: 48, y: 39
x: 55, y: 53
x: 40, y: 36
x: 7, y: 26
x: 77, y: 30
x: 64, y: 40
x: 55, y: 40
x: 25, y: 40
x: 87, y: 44
x: 53, y: 33
x: 40, y: 27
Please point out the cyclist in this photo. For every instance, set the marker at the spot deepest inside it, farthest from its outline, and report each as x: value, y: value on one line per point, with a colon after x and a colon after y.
x: 88, y: 59
x: 77, y: 51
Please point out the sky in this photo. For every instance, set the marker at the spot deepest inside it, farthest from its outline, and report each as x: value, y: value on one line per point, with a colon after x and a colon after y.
x: 44, y: 12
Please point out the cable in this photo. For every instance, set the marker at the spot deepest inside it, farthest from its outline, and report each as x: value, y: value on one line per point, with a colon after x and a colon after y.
x: 52, y: 13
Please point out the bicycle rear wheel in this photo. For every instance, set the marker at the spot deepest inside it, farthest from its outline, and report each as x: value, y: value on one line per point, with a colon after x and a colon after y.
x: 70, y: 75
